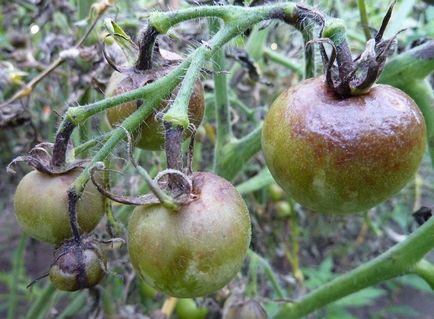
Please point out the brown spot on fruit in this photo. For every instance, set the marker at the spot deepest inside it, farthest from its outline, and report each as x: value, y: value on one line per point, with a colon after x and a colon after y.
x: 342, y: 155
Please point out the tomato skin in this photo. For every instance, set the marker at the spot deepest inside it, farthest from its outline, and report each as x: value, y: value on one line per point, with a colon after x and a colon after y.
x: 77, y: 267
x: 342, y: 155
x: 41, y: 206
x: 186, y: 308
x: 150, y: 135
x: 196, y: 250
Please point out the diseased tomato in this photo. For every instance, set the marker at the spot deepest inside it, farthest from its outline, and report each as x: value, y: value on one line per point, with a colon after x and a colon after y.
x: 41, y: 206
x: 336, y: 155
x: 196, y: 250
x: 150, y: 135
x: 77, y: 266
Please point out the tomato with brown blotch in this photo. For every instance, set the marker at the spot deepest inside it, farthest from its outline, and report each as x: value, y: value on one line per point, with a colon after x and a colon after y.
x: 342, y: 155
x: 196, y: 250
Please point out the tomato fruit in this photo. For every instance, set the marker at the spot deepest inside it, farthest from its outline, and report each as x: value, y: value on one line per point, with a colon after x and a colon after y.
x: 196, y: 250
x: 150, y: 135
x: 186, y: 308
x: 276, y: 192
x: 41, y: 206
x: 77, y: 266
x: 336, y: 155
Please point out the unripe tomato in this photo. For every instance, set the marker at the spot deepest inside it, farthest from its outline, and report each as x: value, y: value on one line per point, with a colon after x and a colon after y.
x: 77, y: 267
x: 150, y: 135
x: 276, y: 192
x: 336, y: 155
x: 283, y: 209
x: 186, y: 308
x: 196, y: 250
x: 41, y: 206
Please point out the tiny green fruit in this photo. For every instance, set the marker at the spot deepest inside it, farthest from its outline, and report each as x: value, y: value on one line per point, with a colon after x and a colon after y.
x: 186, y: 308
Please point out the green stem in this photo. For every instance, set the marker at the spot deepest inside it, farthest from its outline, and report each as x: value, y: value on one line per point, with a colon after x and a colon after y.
x: 259, y: 181
x: 83, y: 148
x: 41, y: 305
x: 165, y: 199
x: 131, y: 123
x: 81, y: 113
x: 163, y: 21
x: 284, y: 61
x: 364, y: 19
x: 15, y: 277
x: 397, y: 261
x: 269, y: 273
x: 251, y: 289
x: 222, y: 115
x: 425, y: 270
x: 74, y: 307
x: 178, y: 111
x: 236, y: 153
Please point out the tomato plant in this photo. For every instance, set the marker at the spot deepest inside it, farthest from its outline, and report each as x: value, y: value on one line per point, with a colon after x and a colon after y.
x: 337, y: 155
x: 210, y: 221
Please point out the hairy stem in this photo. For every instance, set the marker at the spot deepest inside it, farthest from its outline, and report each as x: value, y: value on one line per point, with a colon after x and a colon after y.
x: 224, y: 132
x: 397, y: 261
x: 148, y: 35
x: 178, y: 111
x: 61, y: 143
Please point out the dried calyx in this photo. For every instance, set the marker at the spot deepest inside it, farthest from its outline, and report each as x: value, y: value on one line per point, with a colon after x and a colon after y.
x: 354, y: 77
x: 172, y: 187
x: 42, y: 158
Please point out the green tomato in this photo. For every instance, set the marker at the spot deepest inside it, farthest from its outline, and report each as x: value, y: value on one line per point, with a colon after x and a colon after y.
x: 276, y: 192
x: 196, y: 250
x: 339, y: 156
x: 283, y: 209
x: 41, y: 206
x: 186, y: 308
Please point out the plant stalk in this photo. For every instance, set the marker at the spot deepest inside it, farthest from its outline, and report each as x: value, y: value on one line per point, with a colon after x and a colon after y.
x: 397, y: 261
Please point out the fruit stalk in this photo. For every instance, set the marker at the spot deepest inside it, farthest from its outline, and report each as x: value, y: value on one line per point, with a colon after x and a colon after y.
x: 61, y: 143
x: 397, y: 261
x: 148, y: 35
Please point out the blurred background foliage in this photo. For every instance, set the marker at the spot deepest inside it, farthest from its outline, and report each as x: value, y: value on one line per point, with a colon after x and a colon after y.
x: 304, y: 249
